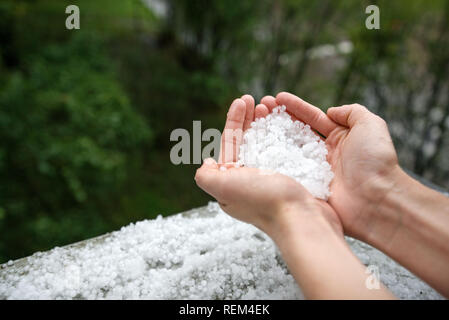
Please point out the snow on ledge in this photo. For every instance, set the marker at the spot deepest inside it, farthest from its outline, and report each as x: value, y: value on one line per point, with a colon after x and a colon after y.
x: 199, y: 254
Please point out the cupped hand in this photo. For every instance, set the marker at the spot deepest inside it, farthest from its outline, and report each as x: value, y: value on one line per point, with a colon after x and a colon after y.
x: 271, y: 201
x: 307, y: 230
x: 362, y: 157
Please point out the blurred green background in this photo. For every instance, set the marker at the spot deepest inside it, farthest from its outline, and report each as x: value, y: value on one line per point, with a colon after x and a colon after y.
x: 86, y: 115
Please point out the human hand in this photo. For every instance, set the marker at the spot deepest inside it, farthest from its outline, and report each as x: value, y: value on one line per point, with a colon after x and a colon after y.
x: 269, y: 201
x: 273, y: 202
x: 362, y: 157
x: 307, y: 230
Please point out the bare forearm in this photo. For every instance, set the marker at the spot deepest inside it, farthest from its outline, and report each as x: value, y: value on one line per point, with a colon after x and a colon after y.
x: 413, y: 228
x: 323, y: 265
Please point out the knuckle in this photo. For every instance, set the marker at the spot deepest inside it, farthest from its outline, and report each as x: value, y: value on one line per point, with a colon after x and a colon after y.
x: 317, y: 117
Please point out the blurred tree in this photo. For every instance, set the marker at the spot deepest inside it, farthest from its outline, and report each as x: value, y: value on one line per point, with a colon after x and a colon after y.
x: 67, y: 132
x: 74, y: 161
x: 401, y: 72
x: 217, y: 35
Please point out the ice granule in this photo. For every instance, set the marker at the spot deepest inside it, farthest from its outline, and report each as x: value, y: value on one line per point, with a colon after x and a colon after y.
x: 204, y: 254
x: 209, y: 256
x: 279, y: 144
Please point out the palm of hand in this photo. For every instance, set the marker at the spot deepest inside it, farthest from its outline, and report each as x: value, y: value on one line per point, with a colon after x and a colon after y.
x: 250, y: 190
x: 359, y: 156
x: 360, y: 152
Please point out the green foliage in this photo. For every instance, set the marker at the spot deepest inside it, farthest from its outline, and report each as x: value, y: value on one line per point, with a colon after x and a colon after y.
x: 75, y: 106
x: 67, y: 132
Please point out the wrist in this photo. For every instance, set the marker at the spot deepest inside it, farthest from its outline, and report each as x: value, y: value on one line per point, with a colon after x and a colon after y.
x: 310, y: 240
x: 410, y: 226
x: 303, y: 221
x: 396, y: 210
x: 378, y: 193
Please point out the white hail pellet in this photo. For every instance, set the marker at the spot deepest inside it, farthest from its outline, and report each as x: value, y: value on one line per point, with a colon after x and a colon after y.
x: 172, y: 258
x: 280, y: 144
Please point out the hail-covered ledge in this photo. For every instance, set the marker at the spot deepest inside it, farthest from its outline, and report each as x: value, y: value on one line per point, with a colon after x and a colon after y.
x: 199, y: 254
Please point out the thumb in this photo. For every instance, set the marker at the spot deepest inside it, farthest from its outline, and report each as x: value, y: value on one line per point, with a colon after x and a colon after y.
x: 209, y: 178
x: 348, y: 115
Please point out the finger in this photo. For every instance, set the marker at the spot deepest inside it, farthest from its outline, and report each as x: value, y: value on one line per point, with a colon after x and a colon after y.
x: 236, y: 115
x: 261, y: 111
x: 270, y: 102
x: 249, y: 116
x: 232, y: 133
x: 348, y: 115
x: 306, y: 112
x: 209, y: 178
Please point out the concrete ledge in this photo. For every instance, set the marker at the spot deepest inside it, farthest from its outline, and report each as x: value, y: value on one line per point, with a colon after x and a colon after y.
x: 198, y: 254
